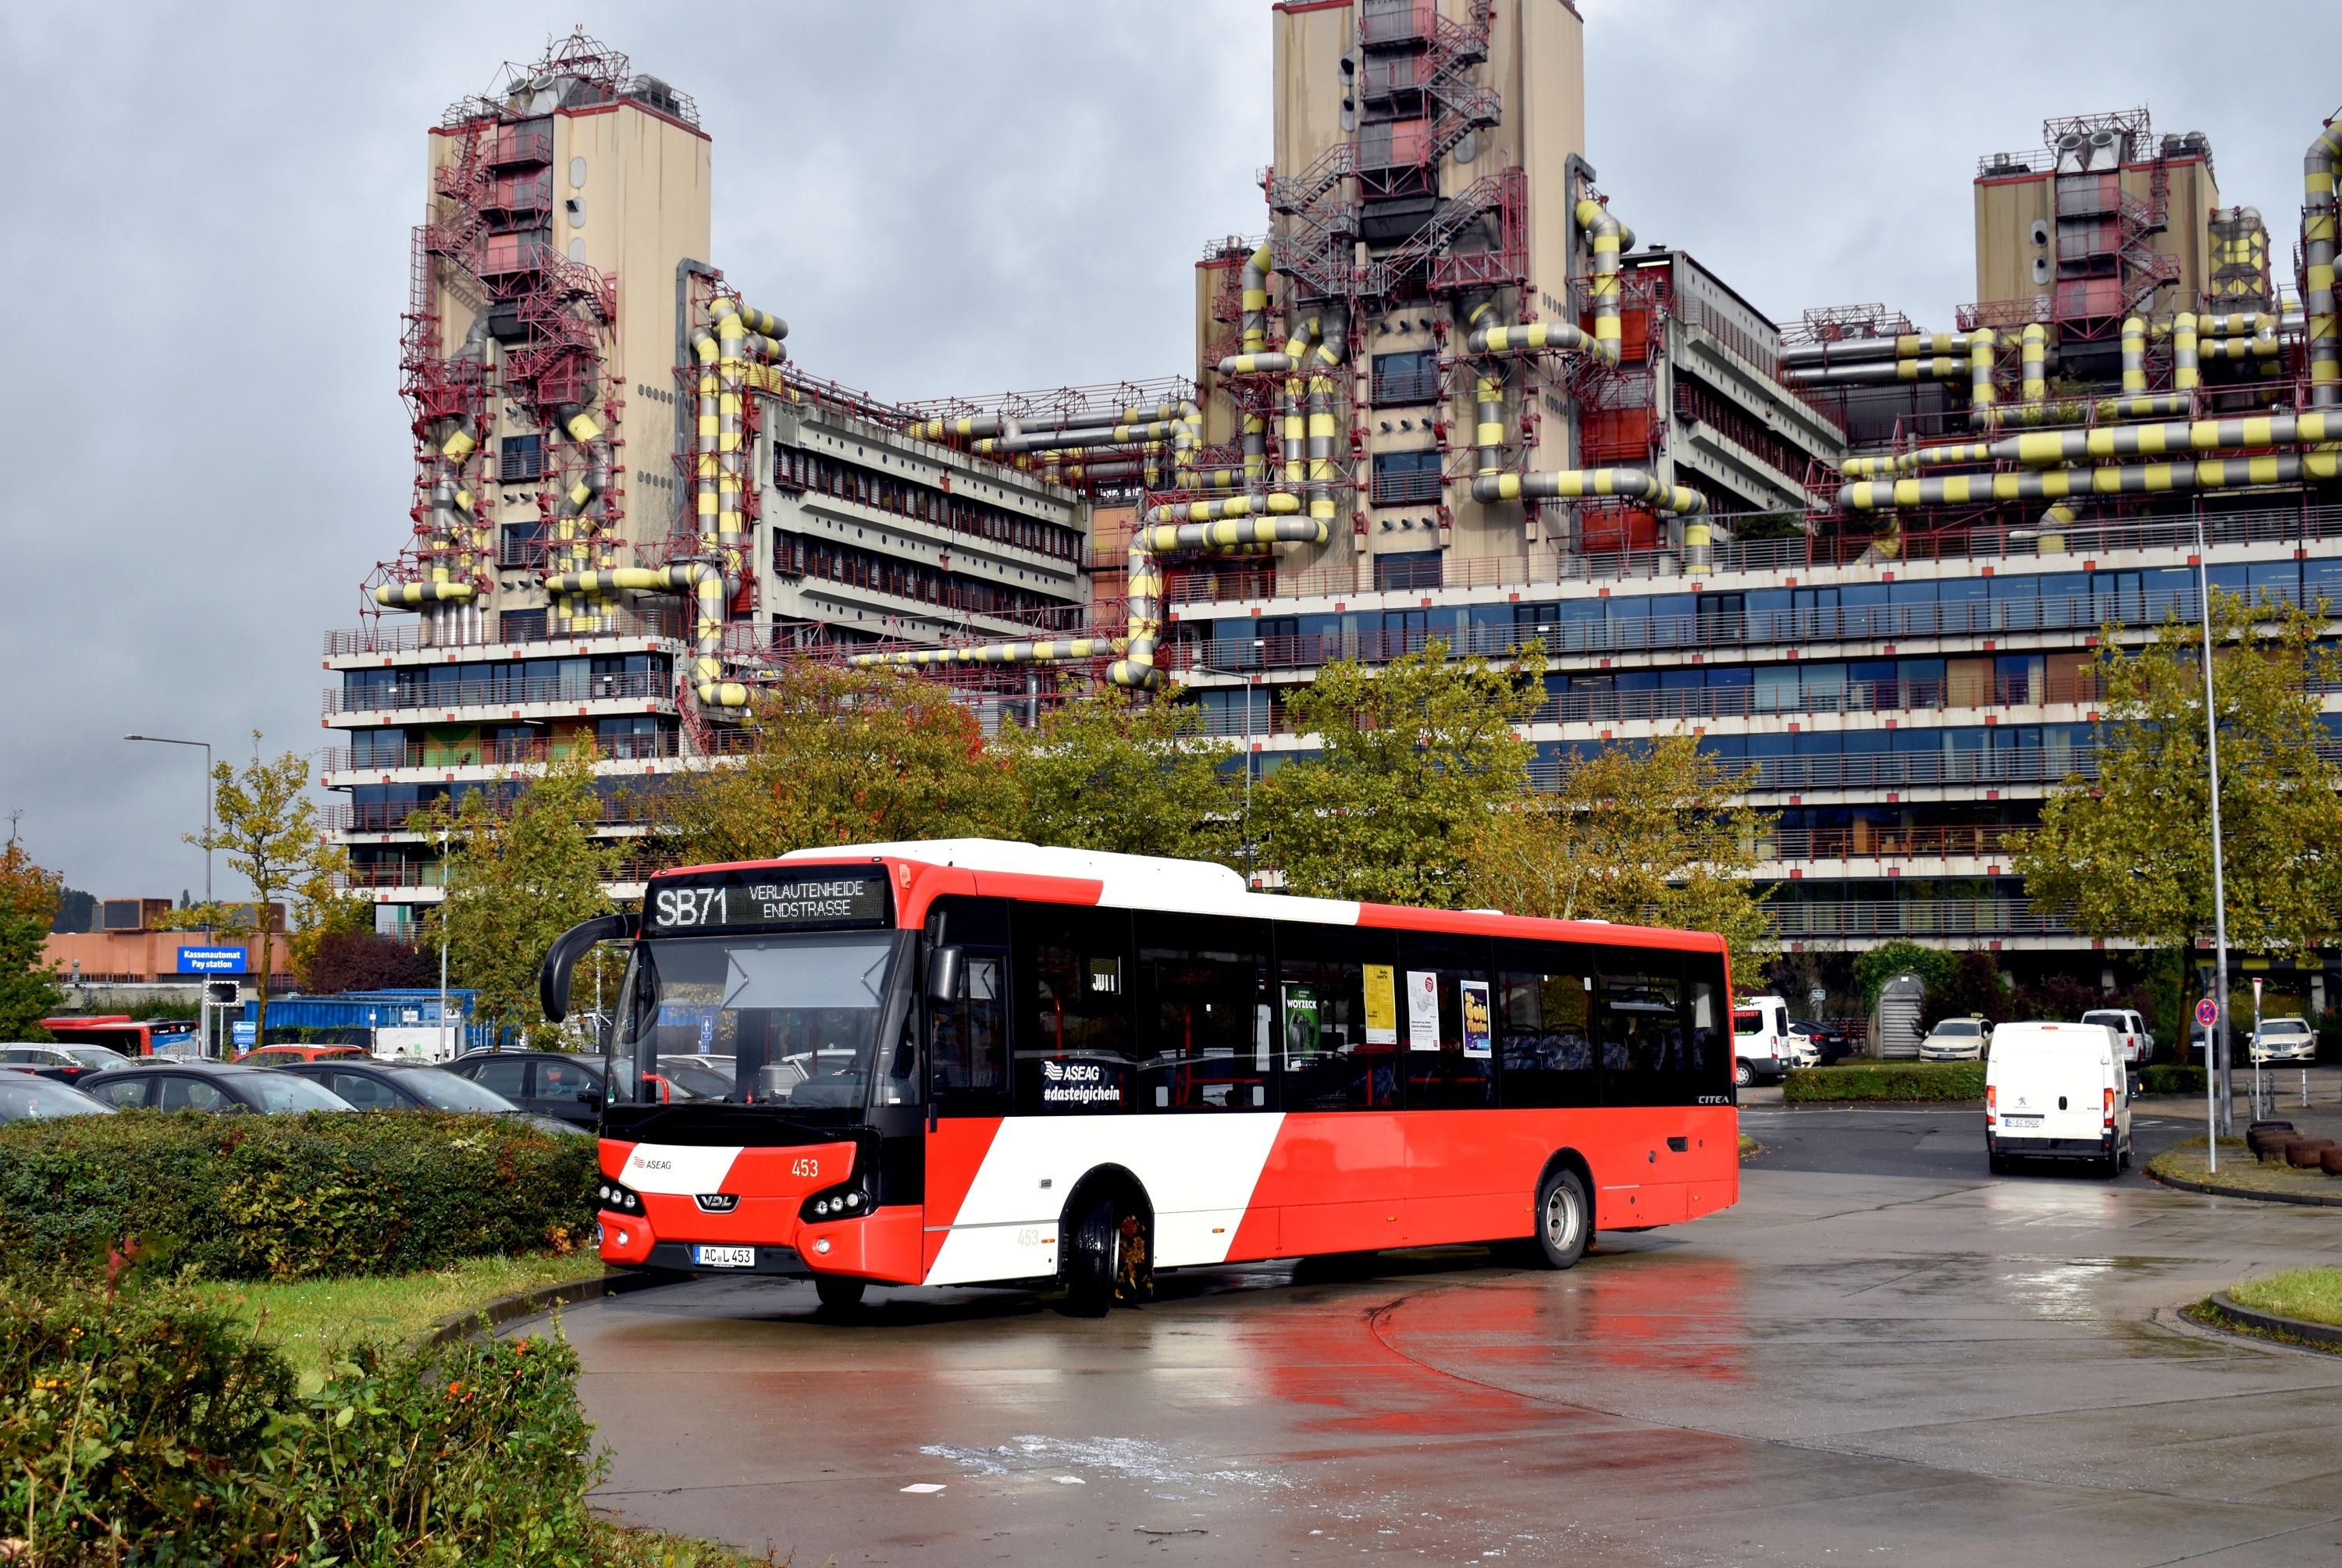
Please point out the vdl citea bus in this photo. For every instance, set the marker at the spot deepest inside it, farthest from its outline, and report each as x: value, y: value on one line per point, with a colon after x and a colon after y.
x: 974, y: 1062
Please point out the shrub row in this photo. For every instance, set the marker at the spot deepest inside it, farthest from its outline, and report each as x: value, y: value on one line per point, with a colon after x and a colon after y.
x: 1904, y: 1080
x: 2170, y: 1078
x: 286, y: 1197
x: 145, y: 1429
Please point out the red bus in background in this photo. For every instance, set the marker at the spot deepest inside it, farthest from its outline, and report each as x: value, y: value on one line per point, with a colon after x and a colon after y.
x: 120, y: 1031
x: 974, y: 1062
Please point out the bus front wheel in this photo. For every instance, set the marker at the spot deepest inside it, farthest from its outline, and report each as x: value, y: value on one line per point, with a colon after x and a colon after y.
x: 1564, y: 1219
x: 839, y: 1295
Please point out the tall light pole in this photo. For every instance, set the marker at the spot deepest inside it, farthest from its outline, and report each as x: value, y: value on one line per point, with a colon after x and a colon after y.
x: 167, y: 741
x: 2216, y: 1043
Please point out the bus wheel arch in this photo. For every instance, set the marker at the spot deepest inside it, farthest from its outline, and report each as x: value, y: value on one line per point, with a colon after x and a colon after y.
x: 1562, y: 1210
x: 1106, y: 1241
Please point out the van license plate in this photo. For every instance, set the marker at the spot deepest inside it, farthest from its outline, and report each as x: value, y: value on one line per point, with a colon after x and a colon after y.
x: 2005, y: 1121
x: 724, y: 1257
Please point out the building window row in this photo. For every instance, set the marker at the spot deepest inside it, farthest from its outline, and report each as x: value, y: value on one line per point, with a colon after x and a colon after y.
x: 796, y: 555
x: 794, y: 468
x: 506, y: 681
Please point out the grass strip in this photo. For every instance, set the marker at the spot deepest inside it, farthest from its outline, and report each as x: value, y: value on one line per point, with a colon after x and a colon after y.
x: 2240, y: 1172
x: 306, y: 1319
x: 2313, y: 1296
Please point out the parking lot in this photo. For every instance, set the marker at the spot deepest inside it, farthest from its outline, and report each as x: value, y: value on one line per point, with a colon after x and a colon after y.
x: 1880, y: 1353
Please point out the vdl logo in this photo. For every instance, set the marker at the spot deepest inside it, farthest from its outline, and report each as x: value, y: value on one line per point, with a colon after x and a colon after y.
x: 716, y: 1203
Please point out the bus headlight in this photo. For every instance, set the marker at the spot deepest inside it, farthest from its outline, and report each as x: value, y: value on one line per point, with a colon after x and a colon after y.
x: 844, y: 1201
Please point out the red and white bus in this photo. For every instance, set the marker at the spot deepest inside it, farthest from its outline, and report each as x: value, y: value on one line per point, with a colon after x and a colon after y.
x: 973, y: 1061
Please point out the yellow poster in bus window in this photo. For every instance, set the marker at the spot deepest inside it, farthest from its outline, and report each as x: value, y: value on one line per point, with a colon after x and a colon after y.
x: 1382, y: 1005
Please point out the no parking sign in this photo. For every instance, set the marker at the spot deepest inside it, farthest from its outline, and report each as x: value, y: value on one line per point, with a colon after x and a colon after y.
x: 2207, y: 1013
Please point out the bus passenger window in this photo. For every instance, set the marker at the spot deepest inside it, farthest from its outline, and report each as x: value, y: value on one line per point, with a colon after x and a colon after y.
x: 968, y: 1046
x: 1644, y: 1042
x: 1203, y: 1013
x: 1339, y: 1018
x: 1073, y: 1013
x: 1545, y: 1023
x: 1455, y: 1068
x: 1707, y: 1062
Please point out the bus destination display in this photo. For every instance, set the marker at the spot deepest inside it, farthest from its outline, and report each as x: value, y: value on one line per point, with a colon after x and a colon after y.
x: 822, y: 899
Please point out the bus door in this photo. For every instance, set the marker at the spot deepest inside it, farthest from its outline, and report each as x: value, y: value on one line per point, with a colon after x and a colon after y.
x: 1464, y: 1179
x: 967, y: 1056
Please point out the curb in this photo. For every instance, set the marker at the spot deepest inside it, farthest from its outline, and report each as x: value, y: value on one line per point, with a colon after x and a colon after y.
x: 2273, y: 1322
x: 2216, y: 1190
x: 529, y: 1303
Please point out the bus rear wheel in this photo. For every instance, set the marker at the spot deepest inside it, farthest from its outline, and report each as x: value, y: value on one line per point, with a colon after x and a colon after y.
x: 1092, y: 1260
x: 1564, y: 1219
x: 839, y: 1295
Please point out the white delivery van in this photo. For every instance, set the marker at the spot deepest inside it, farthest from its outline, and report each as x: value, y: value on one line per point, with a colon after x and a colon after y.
x: 2057, y: 1091
x: 1762, y: 1045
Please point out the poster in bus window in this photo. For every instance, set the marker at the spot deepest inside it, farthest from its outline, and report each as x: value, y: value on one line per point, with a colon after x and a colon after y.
x: 1422, y: 1010
x: 1476, y: 1033
x: 1382, y: 1005
x: 1303, y: 1029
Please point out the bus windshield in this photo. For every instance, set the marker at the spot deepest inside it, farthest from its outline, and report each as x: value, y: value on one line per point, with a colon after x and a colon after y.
x: 789, y: 1021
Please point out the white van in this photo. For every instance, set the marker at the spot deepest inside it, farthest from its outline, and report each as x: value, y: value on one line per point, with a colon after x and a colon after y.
x: 2057, y: 1091
x: 1762, y: 1045
x: 2138, y: 1043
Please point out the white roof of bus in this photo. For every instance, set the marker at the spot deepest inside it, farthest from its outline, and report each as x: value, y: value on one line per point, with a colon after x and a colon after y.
x: 1128, y: 881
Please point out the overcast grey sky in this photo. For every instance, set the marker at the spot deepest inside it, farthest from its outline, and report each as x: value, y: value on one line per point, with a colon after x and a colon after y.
x: 207, y: 212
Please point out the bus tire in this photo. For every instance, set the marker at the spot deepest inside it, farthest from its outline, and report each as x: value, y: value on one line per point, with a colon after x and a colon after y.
x: 837, y: 1294
x: 1091, y: 1259
x: 1564, y: 1219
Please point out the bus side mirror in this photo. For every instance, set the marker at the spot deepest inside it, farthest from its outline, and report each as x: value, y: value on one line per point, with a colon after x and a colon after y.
x: 561, y: 959
x: 947, y: 975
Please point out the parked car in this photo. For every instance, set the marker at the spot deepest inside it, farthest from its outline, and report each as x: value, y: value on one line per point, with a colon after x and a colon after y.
x: 1956, y: 1040
x: 1830, y: 1044
x: 554, y: 1084
x: 65, y: 1064
x: 698, y: 1077
x: 414, y: 1086
x: 2057, y: 1091
x: 2284, y: 1040
x: 25, y: 1098
x: 2130, y: 1031
x: 278, y: 1056
x: 226, y: 1086
x: 1762, y: 1045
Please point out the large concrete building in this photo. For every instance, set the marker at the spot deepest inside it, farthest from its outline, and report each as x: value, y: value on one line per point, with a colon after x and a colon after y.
x: 1447, y: 394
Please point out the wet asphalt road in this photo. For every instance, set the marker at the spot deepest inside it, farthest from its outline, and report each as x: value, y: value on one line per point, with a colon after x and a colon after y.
x: 1880, y: 1355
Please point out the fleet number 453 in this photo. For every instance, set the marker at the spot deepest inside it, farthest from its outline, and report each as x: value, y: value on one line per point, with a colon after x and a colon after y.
x: 805, y: 1168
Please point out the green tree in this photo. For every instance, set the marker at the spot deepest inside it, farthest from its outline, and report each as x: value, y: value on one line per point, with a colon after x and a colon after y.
x: 1411, y: 763
x: 521, y: 866
x: 1882, y: 963
x: 1645, y: 833
x: 2130, y: 849
x: 840, y: 756
x: 1116, y: 771
x: 29, y: 896
x: 268, y: 826
x: 325, y: 909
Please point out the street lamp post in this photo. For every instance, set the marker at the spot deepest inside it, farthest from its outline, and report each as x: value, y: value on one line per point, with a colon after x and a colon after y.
x: 167, y: 741
x: 2216, y: 1042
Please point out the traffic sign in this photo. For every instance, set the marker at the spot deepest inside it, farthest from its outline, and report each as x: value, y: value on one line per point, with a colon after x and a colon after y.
x: 2207, y: 1013
x: 213, y: 961
x: 1817, y: 996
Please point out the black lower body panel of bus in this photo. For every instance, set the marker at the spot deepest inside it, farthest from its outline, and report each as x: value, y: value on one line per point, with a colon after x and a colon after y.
x: 677, y: 1257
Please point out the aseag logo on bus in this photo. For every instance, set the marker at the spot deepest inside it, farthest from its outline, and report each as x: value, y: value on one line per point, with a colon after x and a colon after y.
x: 1078, y: 1083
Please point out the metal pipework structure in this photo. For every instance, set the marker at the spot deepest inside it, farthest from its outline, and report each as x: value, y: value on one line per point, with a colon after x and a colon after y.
x: 2059, y: 483
x: 2134, y: 353
x: 2318, y: 214
x: 2034, y: 348
x: 710, y: 589
x: 2186, y: 375
x: 1861, y: 350
x: 1236, y: 525
x: 1608, y: 236
x: 2044, y: 448
x: 455, y: 522
x: 1982, y: 393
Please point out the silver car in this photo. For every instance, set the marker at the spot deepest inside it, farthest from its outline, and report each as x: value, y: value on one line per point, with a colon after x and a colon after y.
x: 2284, y: 1040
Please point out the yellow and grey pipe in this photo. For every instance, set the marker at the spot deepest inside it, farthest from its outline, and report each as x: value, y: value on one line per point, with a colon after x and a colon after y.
x: 1531, y: 337
x: 2057, y: 484
x: 708, y: 587
x: 2185, y: 372
x: 1586, y: 483
x: 1608, y: 236
x: 1854, y: 351
x: 2035, y: 349
x: 2134, y: 353
x: 1325, y: 361
x: 2048, y: 447
x: 2317, y: 308
x: 1983, y: 342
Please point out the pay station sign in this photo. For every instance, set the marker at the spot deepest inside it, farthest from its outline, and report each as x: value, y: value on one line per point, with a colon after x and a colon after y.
x: 212, y: 960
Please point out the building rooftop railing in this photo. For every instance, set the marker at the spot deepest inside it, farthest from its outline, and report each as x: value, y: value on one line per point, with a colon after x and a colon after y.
x: 1920, y: 917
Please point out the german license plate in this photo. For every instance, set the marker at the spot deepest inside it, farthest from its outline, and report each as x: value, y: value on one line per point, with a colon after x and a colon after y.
x: 2007, y: 1121
x: 724, y: 1257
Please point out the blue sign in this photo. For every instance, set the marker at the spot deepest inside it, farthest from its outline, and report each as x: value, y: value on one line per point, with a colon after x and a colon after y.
x: 212, y: 960
x: 2207, y: 1013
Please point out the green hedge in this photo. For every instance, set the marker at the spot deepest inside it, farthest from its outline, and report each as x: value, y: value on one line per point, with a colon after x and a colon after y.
x: 2170, y: 1078
x: 142, y: 1428
x: 1903, y: 1080
x: 287, y: 1197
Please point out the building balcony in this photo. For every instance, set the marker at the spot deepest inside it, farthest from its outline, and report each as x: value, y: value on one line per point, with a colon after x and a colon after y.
x: 649, y: 621
x: 617, y: 816
x: 1401, y: 389
x: 1887, y: 919
x: 429, y: 763
x: 547, y: 697
x: 629, y: 870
